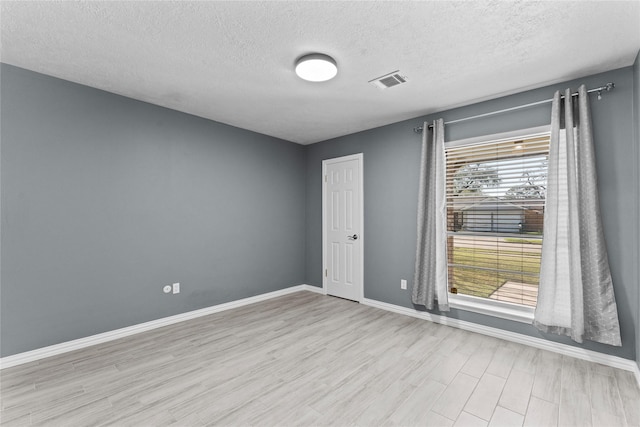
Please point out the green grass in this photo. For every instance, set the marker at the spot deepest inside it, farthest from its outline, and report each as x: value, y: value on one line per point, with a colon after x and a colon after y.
x: 520, y: 240
x: 482, y: 283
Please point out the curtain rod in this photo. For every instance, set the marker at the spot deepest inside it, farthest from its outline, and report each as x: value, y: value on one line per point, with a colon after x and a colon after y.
x: 607, y: 87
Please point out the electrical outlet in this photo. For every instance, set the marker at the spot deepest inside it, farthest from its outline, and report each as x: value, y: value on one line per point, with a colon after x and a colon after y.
x: 167, y: 289
x: 403, y: 284
x: 176, y: 288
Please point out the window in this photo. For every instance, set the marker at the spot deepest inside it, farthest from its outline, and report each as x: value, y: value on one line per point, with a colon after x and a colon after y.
x: 496, y: 189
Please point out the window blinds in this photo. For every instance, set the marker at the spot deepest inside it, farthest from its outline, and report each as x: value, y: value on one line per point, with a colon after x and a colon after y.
x: 495, y: 209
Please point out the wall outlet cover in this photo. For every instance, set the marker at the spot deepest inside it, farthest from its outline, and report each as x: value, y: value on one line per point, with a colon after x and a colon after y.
x: 176, y: 288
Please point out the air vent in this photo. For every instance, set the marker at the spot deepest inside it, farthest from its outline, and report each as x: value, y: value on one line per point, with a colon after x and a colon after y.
x: 389, y: 80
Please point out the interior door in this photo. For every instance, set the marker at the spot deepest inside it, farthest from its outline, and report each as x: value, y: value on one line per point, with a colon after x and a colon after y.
x: 342, y: 227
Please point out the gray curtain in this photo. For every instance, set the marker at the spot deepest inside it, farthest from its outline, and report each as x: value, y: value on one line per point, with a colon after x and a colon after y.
x: 575, y: 297
x: 430, y: 277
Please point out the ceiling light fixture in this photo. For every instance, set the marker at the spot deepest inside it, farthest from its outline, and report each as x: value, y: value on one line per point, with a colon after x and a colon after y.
x: 316, y: 67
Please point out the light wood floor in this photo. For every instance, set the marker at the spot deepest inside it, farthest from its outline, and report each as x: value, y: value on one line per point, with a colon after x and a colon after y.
x: 307, y: 359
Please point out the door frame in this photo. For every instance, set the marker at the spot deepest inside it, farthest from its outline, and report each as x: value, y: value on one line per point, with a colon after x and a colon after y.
x: 360, y: 263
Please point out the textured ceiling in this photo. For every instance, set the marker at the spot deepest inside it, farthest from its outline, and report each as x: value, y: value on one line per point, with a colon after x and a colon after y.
x: 233, y: 61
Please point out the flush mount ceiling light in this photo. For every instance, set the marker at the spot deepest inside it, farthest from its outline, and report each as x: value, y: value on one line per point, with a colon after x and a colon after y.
x: 316, y: 67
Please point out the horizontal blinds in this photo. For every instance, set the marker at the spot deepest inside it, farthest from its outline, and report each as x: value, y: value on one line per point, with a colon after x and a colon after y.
x: 495, y: 212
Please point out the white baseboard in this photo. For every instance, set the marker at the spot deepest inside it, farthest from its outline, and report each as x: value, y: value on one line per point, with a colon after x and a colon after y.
x: 578, y: 353
x: 310, y: 288
x: 41, y: 353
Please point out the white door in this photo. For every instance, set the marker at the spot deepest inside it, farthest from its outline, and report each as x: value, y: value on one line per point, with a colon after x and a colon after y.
x: 342, y: 226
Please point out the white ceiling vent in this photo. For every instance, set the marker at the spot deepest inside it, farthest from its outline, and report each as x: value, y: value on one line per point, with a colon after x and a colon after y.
x: 389, y: 80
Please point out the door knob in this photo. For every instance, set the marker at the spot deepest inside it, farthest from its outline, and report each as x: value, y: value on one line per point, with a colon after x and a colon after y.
x: 354, y: 237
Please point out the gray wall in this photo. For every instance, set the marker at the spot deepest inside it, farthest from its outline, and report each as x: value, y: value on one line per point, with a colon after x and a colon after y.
x: 636, y: 118
x: 105, y: 199
x: 391, y: 156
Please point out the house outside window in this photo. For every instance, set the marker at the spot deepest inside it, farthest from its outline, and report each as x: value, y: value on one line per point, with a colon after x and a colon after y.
x: 496, y: 188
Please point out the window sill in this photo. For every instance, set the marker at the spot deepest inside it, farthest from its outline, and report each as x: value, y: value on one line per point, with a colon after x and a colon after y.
x: 503, y: 310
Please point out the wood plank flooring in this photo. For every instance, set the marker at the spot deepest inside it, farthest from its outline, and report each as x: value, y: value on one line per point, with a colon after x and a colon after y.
x: 308, y: 359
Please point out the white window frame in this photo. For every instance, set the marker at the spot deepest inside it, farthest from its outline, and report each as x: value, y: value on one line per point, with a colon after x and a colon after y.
x: 486, y: 306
